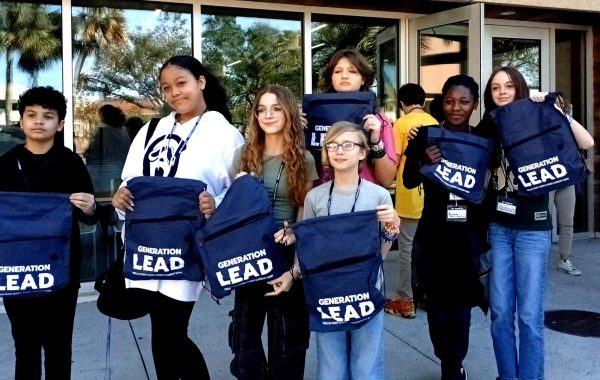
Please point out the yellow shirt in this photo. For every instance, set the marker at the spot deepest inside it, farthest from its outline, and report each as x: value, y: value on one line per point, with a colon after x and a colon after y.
x: 409, y: 202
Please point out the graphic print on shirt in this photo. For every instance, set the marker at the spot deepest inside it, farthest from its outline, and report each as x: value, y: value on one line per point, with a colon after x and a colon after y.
x: 161, y: 159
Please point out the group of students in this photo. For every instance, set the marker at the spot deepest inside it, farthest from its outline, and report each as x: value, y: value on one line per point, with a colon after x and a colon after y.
x: 448, y: 265
x: 197, y: 141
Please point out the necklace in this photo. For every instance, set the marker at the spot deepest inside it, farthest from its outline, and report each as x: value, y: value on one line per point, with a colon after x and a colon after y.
x: 469, y: 130
x: 414, y: 108
x: 331, y: 192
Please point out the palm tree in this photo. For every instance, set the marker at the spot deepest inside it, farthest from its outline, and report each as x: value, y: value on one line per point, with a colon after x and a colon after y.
x: 27, y: 30
x: 95, y: 28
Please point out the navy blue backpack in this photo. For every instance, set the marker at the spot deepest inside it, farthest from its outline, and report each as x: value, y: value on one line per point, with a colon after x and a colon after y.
x: 464, y: 164
x: 160, y: 232
x: 340, y: 257
x: 35, y: 243
x: 324, y: 109
x: 539, y: 145
x: 236, y: 245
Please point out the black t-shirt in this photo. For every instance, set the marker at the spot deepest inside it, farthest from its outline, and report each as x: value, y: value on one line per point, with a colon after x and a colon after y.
x: 532, y: 211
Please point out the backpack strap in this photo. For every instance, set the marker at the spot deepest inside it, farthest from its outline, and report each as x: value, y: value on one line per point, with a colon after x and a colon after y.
x: 151, y: 129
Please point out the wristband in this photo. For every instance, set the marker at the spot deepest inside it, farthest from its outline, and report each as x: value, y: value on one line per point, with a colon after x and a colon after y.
x: 375, y: 154
x: 390, y: 231
x: 93, y: 209
x: 376, y: 150
x: 297, y: 268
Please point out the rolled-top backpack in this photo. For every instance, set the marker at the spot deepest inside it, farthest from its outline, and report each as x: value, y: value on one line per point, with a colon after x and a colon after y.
x: 324, y: 109
x: 160, y: 231
x: 35, y: 243
x: 539, y: 145
x: 237, y: 245
x: 340, y: 258
x: 464, y: 164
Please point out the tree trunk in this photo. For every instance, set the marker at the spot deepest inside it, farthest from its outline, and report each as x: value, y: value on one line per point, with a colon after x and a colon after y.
x: 8, y: 93
x: 78, y: 67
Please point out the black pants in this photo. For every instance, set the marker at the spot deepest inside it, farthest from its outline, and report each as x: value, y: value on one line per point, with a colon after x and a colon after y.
x: 287, y: 324
x: 449, y: 332
x: 43, y: 323
x: 175, y: 355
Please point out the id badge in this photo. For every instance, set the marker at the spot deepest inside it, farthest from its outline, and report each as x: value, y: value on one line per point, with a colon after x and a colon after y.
x: 506, y: 205
x: 456, y: 213
x: 454, y: 197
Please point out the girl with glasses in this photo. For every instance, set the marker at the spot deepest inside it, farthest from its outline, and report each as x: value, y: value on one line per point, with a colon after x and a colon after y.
x: 357, y: 353
x: 275, y: 152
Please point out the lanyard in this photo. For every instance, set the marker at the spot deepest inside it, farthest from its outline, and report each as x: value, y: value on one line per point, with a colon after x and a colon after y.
x: 508, y: 184
x: 355, y: 197
x: 182, y: 146
x: 276, y: 185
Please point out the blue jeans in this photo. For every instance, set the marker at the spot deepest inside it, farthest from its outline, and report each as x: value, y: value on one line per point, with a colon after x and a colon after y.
x: 352, y: 355
x: 517, y: 284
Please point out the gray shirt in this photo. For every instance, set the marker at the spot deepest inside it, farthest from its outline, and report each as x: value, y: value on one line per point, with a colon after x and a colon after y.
x: 369, y: 196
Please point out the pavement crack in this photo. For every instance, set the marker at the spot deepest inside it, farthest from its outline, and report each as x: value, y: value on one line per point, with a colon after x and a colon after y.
x: 137, y: 345
x: 412, y: 346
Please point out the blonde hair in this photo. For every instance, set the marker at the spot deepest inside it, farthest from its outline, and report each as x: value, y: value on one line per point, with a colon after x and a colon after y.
x: 339, y: 128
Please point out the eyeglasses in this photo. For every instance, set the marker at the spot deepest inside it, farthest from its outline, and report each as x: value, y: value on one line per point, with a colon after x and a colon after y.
x: 346, y: 146
x: 261, y: 113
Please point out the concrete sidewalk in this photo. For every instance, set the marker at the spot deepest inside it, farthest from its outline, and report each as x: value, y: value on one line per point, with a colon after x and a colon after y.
x: 408, y: 351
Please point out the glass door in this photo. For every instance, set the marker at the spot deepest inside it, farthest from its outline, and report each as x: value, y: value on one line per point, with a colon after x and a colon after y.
x: 527, y: 49
x: 387, y: 71
x: 446, y: 43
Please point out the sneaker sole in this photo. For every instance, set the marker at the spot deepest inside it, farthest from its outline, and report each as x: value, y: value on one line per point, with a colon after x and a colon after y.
x: 392, y: 312
x: 399, y: 314
x: 569, y: 272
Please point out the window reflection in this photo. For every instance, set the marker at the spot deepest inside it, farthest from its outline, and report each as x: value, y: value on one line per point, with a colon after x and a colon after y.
x: 331, y: 33
x: 387, y: 72
x: 570, y: 62
x: 523, y: 54
x: 248, y: 49
x: 116, y: 56
x: 117, y: 52
x: 443, y: 53
x: 31, y: 56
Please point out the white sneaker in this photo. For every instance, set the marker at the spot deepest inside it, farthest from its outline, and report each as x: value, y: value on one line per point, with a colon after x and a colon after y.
x: 567, y: 266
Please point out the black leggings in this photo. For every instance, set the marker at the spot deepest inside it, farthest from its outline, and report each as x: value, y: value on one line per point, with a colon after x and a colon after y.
x: 175, y: 355
x: 43, y: 323
x: 449, y: 332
